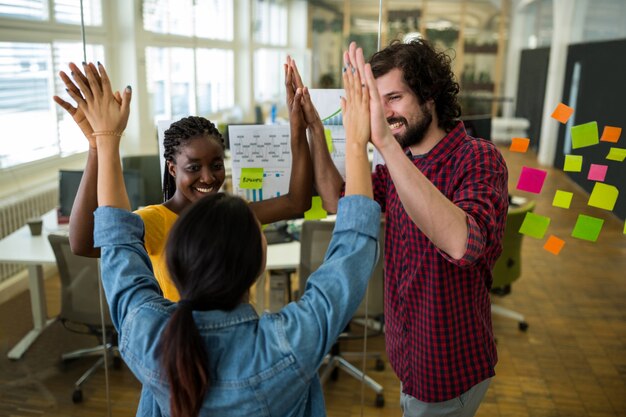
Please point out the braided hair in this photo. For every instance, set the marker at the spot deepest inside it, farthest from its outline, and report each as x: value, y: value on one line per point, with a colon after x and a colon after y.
x: 178, y: 134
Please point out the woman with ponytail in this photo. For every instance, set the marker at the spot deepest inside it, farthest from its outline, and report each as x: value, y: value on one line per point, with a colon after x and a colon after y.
x: 210, y: 354
x: 194, y: 167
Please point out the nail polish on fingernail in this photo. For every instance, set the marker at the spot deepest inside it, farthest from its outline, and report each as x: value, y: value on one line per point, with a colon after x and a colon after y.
x: 84, y: 63
x: 129, y: 88
x: 344, y: 69
x: 99, y: 64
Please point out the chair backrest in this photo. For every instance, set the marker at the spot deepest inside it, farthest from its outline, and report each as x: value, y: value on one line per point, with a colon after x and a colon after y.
x: 80, y: 302
x: 508, y: 267
x: 314, y: 240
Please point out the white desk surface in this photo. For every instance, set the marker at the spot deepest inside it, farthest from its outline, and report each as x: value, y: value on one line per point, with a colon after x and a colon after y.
x: 21, y: 248
x: 283, y: 256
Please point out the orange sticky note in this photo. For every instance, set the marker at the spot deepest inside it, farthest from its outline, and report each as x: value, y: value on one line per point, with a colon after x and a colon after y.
x: 519, y: 144
x: 554, y: 245
x: 611, y: 134
x: 562, y: 113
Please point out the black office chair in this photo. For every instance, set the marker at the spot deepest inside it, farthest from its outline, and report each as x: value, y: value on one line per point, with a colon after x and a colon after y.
x: 80, y: 308
x: 314, y: 240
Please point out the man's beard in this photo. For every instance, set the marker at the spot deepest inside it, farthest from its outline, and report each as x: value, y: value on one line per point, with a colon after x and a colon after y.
x: 414, y: 134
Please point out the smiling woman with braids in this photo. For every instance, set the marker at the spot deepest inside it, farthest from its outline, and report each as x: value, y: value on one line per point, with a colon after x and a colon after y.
x: 194, y: 154
x: 210, y: 354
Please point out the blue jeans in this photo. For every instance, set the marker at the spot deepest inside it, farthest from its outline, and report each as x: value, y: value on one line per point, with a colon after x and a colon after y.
x: 465, y: 405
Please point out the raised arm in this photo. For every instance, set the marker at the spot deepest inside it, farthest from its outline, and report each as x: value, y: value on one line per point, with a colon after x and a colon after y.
x: 108, y: 119
x: 356, y: 116
x: 326, y: 177
x: 298, y: 199
x: 86, y: 200
x: 444, y: 223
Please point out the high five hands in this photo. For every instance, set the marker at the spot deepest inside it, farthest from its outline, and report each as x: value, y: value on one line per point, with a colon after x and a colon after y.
x: 98, y: 108
x: 359, y: 74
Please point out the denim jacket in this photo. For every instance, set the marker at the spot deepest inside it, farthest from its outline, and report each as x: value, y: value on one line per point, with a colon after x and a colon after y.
x: 259, y: 366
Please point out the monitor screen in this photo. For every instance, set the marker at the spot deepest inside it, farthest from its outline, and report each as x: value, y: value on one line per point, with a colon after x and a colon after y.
x: 478, y: 126
x: 69, y: 180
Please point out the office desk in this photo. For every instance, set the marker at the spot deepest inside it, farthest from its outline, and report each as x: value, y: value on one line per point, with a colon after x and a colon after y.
x: 280, y: 257
x: 35, y: 252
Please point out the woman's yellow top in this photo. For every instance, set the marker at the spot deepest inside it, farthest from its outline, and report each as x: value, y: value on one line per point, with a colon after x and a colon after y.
x: 158, y: 221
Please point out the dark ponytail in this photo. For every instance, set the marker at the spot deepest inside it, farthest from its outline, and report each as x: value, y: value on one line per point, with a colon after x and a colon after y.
x: 212, y: 271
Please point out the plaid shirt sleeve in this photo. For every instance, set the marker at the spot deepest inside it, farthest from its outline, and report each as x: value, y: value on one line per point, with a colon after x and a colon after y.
x: 481, y: 191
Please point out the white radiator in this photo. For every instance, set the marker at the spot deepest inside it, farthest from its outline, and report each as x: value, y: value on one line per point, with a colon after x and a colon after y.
x: 14, y: 212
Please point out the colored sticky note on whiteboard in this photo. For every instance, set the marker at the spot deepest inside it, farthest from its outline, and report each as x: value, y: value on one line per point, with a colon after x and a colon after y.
x: 603, y: 196
x: 554, y: 245
x: 573, y: 163
x: 562, y: 199
x: 531, y: 180
x: 616, y: 154
x: 562, y: 113
x: 316, y: 211
x: 519, y: 144
x: 251, y: 178
x: 329, y: 140
x: 584, y: 135
x: 597, y: 172
x: 534, y: 225
x: 611, y: 134
x: 587, y: 228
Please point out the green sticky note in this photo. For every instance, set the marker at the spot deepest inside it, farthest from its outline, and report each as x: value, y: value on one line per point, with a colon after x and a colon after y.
x: 534, y: 225
x: 587, y: 228
x: 603, y: 196
x: 562, y: 199
x: 584, y: 135
x: 625, y: 228
x: 316, y: 211
x: 573, y: 163
x: 329, y: 140
x: 617, y: 154
x: 251, y: 178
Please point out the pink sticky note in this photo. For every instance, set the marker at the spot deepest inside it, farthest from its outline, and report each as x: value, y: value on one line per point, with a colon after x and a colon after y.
x: 531, y: 180
x: 597, y: 172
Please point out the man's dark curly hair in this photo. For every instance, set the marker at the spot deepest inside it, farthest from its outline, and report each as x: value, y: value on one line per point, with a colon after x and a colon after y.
x: 428, y: 74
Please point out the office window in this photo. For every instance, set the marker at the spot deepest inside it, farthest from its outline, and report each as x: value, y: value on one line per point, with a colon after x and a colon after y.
x: 178, y: 90
x: 68, y: 11
x: 24, y: 9
x: 270, y: 22
x: 27, y: 85
x: 215, y: 78
x: 211, y: 19
x: 65, y: 11
x: 268, y: 74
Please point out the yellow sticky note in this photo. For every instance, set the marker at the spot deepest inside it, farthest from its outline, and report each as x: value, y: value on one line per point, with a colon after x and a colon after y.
x: 562, y: 199
x: 611, y: 134
x: 573, y: 163
x: 316, y: 211
x: 562, y: 113
x: 554, y: 245
x: 519, y: 144
x: 617, y: 154
x: 329, y: 140
x: 603, y: 196
x: 251, y: 178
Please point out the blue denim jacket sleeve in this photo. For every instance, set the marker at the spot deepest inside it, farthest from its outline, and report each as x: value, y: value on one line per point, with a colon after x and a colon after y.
x: 335, y: 290
x: 126, y: 270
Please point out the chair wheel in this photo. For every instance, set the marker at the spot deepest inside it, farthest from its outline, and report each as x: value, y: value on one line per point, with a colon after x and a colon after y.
x: 380, y: 365
x: 523, y: 326
x: 380, y: 400
x: 77, y: 396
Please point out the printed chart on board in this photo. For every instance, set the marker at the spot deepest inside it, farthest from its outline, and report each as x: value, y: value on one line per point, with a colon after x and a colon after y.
x: 261, y: 160
x: 328, y: 105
